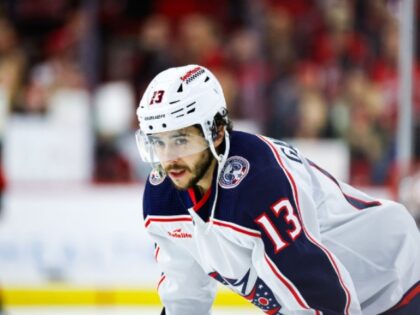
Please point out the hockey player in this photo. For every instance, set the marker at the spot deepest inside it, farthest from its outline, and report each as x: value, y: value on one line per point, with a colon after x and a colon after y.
x: 254, y: 214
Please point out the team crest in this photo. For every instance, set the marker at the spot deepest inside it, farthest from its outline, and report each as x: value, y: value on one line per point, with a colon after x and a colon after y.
x: 156, y: 177
x: 234, y: 171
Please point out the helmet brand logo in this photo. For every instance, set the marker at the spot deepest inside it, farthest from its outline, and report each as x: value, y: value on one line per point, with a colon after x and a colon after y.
x: 192, y: 74
x: 154, y: 117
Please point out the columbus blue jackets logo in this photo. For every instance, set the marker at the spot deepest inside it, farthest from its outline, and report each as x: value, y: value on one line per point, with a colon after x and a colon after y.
x: 260, y: 295
x: 234, y: 171
x: 156, y: 177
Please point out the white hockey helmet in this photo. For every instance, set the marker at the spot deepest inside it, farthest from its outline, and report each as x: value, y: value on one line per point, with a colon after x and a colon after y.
x: 178, y: 98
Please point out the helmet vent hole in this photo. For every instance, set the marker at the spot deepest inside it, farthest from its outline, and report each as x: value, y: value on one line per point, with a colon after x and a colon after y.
x: 150, y: 127
x: 180, y: 88
x: 173, y: 102
x: 189, y: 105
x: 164, y: 125
x: 192, y: 110
x: 207, y: 78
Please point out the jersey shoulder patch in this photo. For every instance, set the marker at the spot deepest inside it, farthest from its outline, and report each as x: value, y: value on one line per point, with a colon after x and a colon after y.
x: 233, y: 172
x: 156, y: 177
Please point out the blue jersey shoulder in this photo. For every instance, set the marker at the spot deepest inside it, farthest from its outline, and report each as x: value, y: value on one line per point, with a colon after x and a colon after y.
x: 252, y: 179
x: 161, y: 199
x: 252, y: 148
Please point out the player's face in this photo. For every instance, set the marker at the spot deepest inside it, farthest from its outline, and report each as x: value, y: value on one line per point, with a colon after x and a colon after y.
x: 188, y: 170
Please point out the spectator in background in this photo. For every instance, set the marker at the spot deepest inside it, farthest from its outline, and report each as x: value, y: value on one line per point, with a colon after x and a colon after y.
x: 62, y: 67
x: 230, y: 88
x: 384, y: 74
x: 313, y: 115
x: 128, y: 62
x: 154, y: 49
x: 282, y: 87
x: 338, y: 48
x: 279, y: 41
x: 277, y: 61
x: 199, y: 41
x: 12, y: 68
x: 384, y: 71
x: 249, y: 69
x: 367, y: 140
x: 2, y: 190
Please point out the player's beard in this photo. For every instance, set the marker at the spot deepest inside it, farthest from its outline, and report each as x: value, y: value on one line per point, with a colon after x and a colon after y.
x: 198, y: 171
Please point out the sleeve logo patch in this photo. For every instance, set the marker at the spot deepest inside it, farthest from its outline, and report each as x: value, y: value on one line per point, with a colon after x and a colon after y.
x: 155, y: 178
x: 233, y: 172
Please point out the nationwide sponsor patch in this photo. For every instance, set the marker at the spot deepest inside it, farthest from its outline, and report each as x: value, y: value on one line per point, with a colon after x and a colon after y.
x: 178, y: 233
x: 156, y: 178
x: 234, y: 171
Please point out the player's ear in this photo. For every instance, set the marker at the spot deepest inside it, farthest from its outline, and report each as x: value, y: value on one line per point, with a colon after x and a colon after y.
x: 220, y: 135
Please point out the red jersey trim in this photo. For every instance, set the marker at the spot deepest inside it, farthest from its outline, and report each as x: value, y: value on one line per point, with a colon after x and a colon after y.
x: 157, y: 252
x: 167, y: 219
x: 407, y: 297
x: 237, y: 228
x: 160, y: 281
x: 410, y: 296
x: 197, y: 205
x: 192, y: 195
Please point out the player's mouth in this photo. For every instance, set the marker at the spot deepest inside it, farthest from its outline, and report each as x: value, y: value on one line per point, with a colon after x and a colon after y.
x: 177, y: 174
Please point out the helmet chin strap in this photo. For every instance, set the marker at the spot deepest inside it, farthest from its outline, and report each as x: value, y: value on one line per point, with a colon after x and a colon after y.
x: 221, y: 160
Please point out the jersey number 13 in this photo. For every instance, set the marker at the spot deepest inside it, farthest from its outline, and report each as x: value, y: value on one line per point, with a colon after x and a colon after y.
x: 282, y: 208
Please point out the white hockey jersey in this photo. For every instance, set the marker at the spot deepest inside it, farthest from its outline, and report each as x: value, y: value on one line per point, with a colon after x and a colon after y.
x: 285, y: 235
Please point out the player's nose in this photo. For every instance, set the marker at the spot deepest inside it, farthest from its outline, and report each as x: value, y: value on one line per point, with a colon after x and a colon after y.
x: 168, y: 155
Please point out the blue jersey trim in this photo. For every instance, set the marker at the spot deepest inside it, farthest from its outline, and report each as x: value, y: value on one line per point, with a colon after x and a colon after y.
x: 317, y: 268
x: 355, y: 202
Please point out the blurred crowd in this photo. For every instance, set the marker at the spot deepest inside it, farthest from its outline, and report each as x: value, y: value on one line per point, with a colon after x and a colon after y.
x: 296, y: 69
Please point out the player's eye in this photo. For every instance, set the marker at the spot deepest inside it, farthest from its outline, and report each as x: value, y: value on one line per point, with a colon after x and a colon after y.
x: 157, y: 143
x: 181, y: 141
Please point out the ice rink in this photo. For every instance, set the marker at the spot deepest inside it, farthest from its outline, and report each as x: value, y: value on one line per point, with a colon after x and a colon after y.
x: 115, y: 311
x: 104, y: 260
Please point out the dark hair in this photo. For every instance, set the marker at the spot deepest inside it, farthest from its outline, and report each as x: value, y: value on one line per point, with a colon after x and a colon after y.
x: 218, y: 121
x: 223, y: 120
